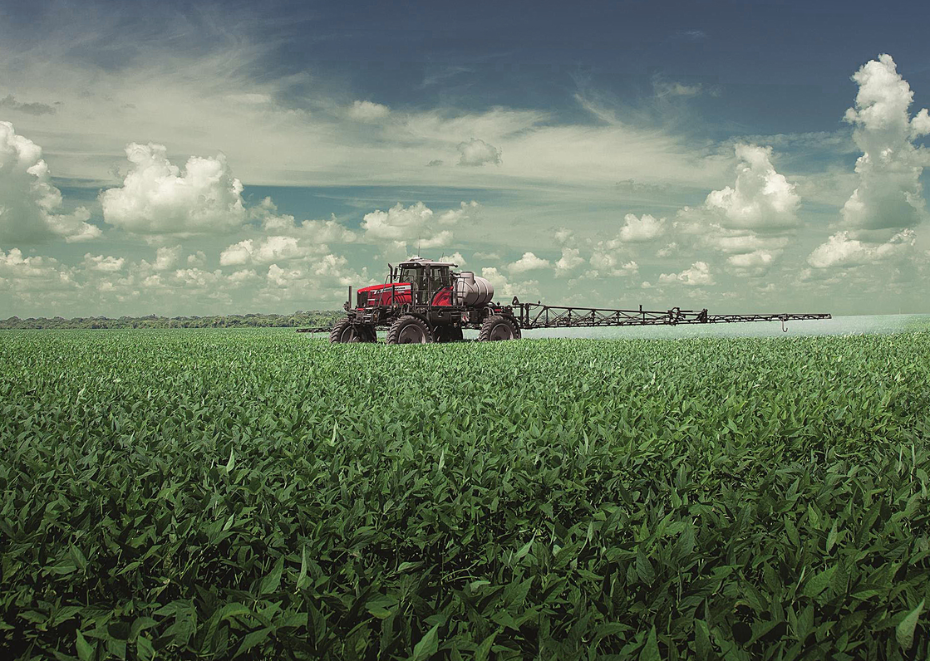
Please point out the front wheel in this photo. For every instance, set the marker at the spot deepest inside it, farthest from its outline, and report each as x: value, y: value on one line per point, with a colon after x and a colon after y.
x: 409, y: 330
x: 496, y: 328
x: 345, y: 332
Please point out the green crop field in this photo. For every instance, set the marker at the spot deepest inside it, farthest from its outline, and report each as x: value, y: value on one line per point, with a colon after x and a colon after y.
x: 260, y: 494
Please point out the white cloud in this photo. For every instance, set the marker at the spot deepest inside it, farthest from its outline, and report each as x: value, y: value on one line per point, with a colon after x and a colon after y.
x: 757, y: 259
x: 889, y: 191
x: 668, y: 250
x: 29, y: 201
x: 564, y: 236
x: 197, y: 259
x: 456, y: 258
x: 241, y: 276
x: 607, y: 263
x: 415, y: 225
x: 315, y: 231
x: 844, y: 251
x: 156, y: 197
x: 272, y: 249
x: 101, y: 263
x: 528, y: 262
x: 761, y: 199
x: 23, y: 274
x: 878, y: 218
x: 640, y: 230
x: 166, y: 258
x: 397, y: 223
x: 504, y: 289
x: 571, y: 259
x: 237, y: 254
x: 368, y: 111
x: 698, y: 274
x: 440, y: 240
x: 464, y: 212
x: 478, y: 152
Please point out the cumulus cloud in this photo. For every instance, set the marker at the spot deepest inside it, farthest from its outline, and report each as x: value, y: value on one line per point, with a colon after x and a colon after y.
x: 158, y: 198
x: 640, y: 230
x: 271, y: 249
x: 107, y: 264
x: 166, y: 258
x: 368, y: 111
x: 878, y: 218
x: 315, y: 231
x: 415, y: 224
x: 505, y: 289
x: 453, y: 216
x: 889, y: 193
x: 564, y: 236
x: 751, y: 222
x: 761, y: 199
x: 842, y: 250
x: 29, y: 203
x: 607, y: 263
x: 529, y: 262
x: 698, y: 274
x: 571, y: 259
x: 477, y: 152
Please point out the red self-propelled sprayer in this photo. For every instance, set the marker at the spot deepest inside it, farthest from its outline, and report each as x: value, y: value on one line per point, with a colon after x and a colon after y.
x: 427, y: 301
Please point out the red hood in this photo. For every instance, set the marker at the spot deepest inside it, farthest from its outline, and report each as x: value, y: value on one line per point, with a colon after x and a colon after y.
x: 397, y: 285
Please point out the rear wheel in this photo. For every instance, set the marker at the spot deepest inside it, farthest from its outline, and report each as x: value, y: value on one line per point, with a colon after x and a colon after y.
x: 496, y: 328
x: 345, y: 332
x: 447, y: 334
x: 409, y: 330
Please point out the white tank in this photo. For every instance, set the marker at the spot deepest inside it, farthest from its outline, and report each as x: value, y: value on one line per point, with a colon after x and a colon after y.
x: 472, y: 290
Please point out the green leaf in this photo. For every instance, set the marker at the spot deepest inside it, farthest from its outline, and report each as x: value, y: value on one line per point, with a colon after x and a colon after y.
x: 252, y: 639
x: 905, y: 631
x: 650, y: 651
x: 831, y: 537
x: 232, y: 461
x: 302, y: 579
x: 85, y: 650
x: 525, y: 549
x: 702, y: 645
x: 145, y: 648
x: 818, y: 583
x: 273, y: 580
x: 428, y: 646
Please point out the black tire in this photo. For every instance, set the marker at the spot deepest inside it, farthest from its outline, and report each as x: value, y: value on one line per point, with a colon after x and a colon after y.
x: 409, y: 330
x: 447, y: 334
x: 345, y: 332
x: 496, y: 328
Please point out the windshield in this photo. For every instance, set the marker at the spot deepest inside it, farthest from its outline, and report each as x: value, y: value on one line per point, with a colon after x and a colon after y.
x: 413, y: 276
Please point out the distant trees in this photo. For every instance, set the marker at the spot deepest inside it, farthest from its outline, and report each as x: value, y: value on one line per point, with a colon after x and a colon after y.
x: 315, y: 318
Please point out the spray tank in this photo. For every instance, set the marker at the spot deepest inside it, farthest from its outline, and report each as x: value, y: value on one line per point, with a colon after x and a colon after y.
x: 472, y: 290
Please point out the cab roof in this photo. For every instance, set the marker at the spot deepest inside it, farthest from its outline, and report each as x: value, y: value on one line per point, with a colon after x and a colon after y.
x: 422, y: 261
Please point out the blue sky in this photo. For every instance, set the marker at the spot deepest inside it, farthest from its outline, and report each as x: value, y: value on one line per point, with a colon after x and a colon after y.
x: 157, y: 158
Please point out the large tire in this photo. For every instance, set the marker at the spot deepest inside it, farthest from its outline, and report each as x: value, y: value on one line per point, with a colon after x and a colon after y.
x: 496, y: 328
x: 409, y: 330
x: 345, y: 332
x: 447, y: 334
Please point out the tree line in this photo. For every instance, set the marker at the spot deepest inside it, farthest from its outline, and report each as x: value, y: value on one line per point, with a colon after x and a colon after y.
x: 314, y: 318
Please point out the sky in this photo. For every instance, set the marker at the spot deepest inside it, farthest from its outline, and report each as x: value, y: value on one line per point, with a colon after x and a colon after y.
x: 228, y: 158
